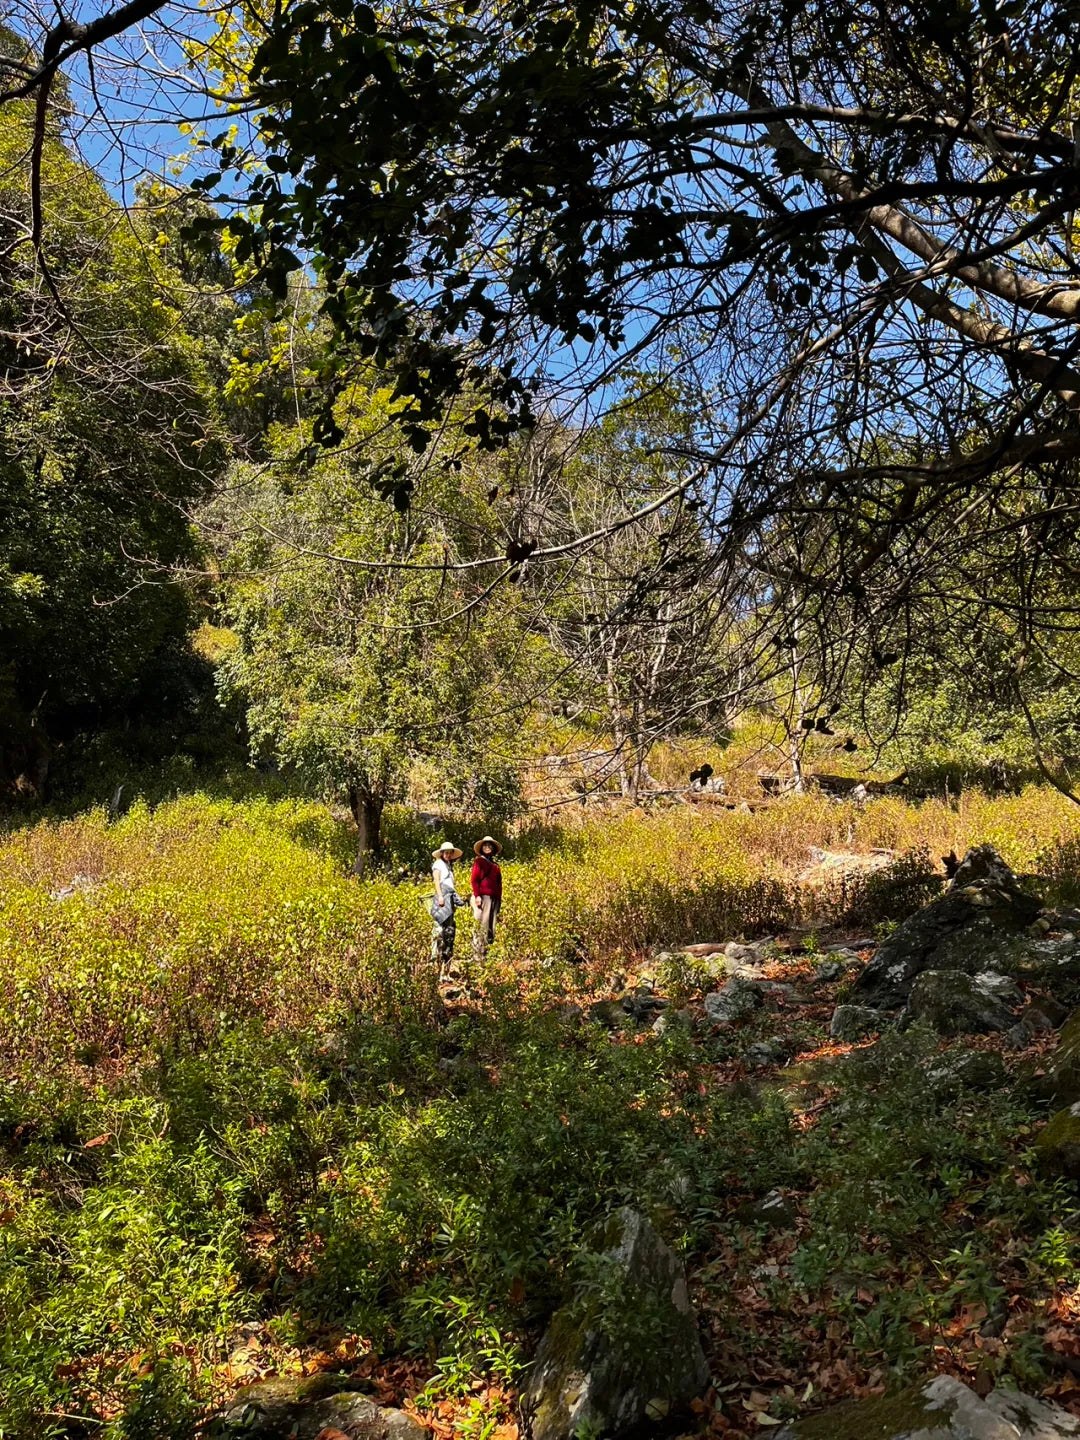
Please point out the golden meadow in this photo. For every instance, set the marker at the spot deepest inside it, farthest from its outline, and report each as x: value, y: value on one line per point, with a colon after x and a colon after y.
x: 202, y: 913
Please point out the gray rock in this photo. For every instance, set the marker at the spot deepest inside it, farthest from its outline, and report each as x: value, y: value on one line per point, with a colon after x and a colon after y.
x: 1043, y: 1008
x: 957, y: 1004
x: 777, y: 990
x: 767, y: 1052
x: 740, y: 953
x: 641, y: 1004
x: 828, y: 972
x: 1004, y: 987
x: 979, y: 921
x: 673, y: 1020
x: 1034, y: 1419
x: 772, y: 1209
x: 966, y: 1070
x: 1060, y: 1080
x: 745, y: 972
x: 1041, y: 1014
x: 940, y: 1409
x: 854, y: 1022
x: 609, y: 1013
x: 612, y: 1367
x: 737, y: 1000
x: 1058, y: 1144
x: 299, y: 1410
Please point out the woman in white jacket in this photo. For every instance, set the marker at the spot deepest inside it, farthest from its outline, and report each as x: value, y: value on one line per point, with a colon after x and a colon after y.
x: 447, y: 900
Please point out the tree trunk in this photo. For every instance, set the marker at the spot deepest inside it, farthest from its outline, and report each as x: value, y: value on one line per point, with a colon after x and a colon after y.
x: 367, y: 809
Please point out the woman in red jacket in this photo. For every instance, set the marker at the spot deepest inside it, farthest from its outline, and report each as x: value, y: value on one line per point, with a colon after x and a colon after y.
x: 486, y: 893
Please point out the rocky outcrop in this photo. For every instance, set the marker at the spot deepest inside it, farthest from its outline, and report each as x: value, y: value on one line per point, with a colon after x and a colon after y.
x: 302, y: 1410
x: 958, y: 1004
x: 980, y: 923
x: 625, y: 1351
x: 941, y: 1409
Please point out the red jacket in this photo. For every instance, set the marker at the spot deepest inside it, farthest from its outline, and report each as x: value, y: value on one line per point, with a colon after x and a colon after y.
x: 486, y: 877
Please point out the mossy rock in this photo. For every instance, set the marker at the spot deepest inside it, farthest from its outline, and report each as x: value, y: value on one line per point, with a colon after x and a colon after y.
x: 851, y: 1023
x: 626, y: 1350
x: 940, y: 1409
x: 957, y: 1004
x: 1061, y: 1079
x: 1058, y: 1145
x: 301, y: 1410
x: 966, y: 1070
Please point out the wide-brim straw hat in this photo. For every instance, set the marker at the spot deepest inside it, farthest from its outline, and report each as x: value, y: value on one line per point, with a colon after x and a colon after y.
x: 487, y: 840
x: 440, y: 853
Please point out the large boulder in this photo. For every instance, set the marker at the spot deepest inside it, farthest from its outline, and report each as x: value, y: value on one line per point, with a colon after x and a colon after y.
x: 302, y: 1410
x: 942, y: 1409
x: 980, y: 923
x: 625, y: 1351
x: 958, y: 1004
x: 1058, y: 1145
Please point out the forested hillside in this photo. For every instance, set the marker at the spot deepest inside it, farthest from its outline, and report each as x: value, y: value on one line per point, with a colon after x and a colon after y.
x: 635, y: 444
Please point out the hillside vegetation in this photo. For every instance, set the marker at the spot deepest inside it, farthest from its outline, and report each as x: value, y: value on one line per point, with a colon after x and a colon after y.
x: 243, y: 1134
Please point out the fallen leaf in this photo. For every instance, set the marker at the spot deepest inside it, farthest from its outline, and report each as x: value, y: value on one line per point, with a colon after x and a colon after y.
x: 97, y: 1140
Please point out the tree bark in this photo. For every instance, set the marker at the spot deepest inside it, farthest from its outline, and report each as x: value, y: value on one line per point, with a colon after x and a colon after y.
x: 367, y: 809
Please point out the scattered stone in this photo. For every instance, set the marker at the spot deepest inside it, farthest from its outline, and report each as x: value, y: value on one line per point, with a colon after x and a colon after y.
x: 845, y: 953
x: 1062, y: 917
x: 828, y: 972
x: 1060, y: 1081
x: 1046, y: 1008
x: 777, y: 990
x: 1041, y: 1014
x: 772, y: 1209
x: 740, y: 953
x: 608, y: 1013
x: 854, y: 1022
x: 957, y: 1004
x: 641, y: 1004
x: 301, y: 1410
x: 941, y: 1409
x: 984, y: 913
x: 587, y: 1378
x: 767, y: 1052
x: 966, y: 1070
x: 736, y: 1001
x: 1058, y: 1145
x: 673, y: 1020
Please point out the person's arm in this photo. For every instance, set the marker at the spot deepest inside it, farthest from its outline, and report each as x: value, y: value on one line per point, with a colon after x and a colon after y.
x: 475, y: 875
x: 438, y: 881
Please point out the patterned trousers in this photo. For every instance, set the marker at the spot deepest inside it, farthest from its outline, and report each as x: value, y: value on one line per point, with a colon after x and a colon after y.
x: 442, y: 943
